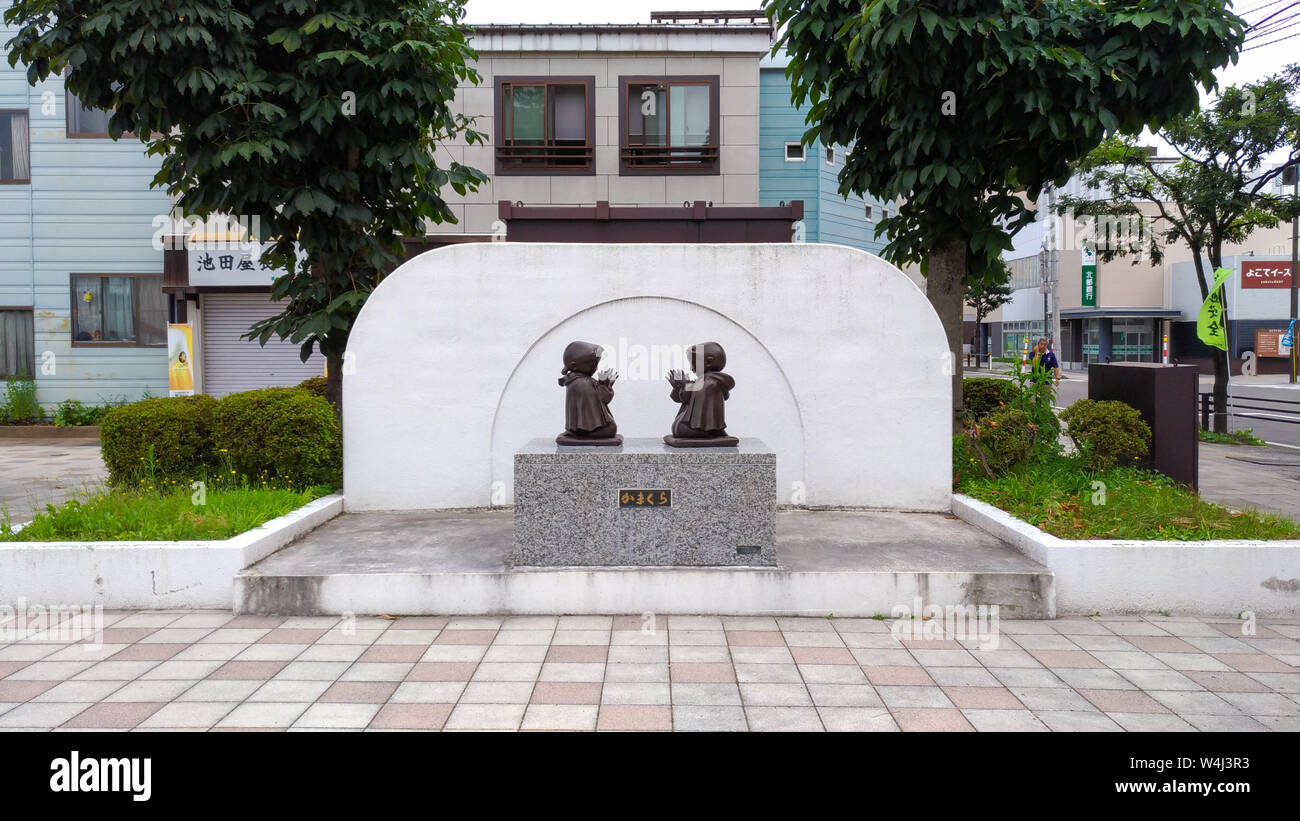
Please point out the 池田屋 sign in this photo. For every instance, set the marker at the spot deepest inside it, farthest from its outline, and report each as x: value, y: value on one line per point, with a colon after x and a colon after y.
x: 226, y: 264
x: 1266, y: 274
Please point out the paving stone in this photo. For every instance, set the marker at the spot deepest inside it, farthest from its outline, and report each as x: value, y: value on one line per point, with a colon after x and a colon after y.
x: 709, y: 719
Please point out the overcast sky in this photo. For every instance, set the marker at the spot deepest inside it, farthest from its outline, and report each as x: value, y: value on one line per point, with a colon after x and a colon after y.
x: 1254, y: 64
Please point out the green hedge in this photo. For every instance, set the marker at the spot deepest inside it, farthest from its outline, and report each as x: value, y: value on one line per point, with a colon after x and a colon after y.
x: 1107, y: 433
x: 177, y: 429
x: 982, y: 396
x: 284, y: 434
x: 315, y: 385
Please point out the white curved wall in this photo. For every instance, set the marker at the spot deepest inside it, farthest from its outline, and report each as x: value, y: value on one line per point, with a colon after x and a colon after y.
x: 839, y: 362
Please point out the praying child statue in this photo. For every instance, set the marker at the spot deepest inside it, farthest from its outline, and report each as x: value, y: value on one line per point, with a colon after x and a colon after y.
x: 587, y: 420
x: 701, y: 421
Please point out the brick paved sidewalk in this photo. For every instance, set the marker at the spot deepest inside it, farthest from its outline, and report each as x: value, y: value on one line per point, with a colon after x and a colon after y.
x: 209, y: 670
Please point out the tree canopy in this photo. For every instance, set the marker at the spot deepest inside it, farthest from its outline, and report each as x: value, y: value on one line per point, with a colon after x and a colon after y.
x: 318, y: 117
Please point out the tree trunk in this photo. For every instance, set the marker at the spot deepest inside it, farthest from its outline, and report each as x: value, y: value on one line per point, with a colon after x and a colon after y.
x: 334, y: 382
x: 943, y: 287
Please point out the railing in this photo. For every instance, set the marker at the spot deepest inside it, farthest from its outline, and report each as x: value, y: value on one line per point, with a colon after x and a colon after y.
x: 663, y: 156
x: 1235, y: 403
x: 545, y: 156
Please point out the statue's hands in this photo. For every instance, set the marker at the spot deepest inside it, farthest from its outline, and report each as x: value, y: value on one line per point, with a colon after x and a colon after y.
x: 676, y: 377
x: 607, y: 377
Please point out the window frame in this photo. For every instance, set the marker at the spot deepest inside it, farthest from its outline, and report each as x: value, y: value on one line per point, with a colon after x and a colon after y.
x: 803, y: 151
x: 503, y: 166
x: 830, y: 155
x: 28, y: 114
x: 712, y: 166
x: 135, y: 311
x: 67, y: 121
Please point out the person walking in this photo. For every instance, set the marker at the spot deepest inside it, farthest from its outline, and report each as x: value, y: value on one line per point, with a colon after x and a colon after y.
x: 1046, y: 360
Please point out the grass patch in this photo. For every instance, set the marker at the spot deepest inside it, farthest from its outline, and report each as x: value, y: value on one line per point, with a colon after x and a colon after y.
x: 166, y: 515
x: 1058, y: 496
x: 1236, y: 437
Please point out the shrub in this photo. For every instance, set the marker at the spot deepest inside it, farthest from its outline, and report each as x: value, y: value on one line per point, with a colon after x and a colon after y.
x: 19, y: 402
x: 315, y: 385
x: 983, y: 395
x: 165, y: 437
x: 73, y: 413
x: 1107, y: 433
x: 1001, y: 441
x: 282, y: 434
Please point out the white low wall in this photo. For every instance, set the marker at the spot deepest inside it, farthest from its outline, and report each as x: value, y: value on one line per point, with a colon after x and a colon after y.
x: 840, y: 362
x: 149, y: 575
x: 1220, y: 578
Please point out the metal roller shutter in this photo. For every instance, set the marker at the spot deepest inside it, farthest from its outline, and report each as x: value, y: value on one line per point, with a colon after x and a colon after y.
x: 232, y: 364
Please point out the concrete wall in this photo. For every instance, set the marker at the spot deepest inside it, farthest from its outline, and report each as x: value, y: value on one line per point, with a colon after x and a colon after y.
x: 88, y: 209
x: 454, y: 361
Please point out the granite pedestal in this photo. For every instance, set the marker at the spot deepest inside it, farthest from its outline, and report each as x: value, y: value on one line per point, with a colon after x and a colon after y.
x: 645, y: 504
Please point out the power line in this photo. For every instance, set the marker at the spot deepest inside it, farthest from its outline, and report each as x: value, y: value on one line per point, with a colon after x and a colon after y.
x: 1259, y: 23
x: 1260, y: 8
x: 1282, y: 26
x: 1271, y: 42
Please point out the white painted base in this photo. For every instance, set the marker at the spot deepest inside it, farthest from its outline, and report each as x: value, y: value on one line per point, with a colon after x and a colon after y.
x: 717, y: 591
x: 1219, y: 578
x: 150, y: 575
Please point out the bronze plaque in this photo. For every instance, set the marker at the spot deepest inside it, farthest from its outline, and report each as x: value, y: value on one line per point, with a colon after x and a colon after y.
x: 640, y: 497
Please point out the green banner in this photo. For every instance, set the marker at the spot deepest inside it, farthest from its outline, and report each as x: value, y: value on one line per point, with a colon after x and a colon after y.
x: 1089, y: 286
x: 1209, y: 325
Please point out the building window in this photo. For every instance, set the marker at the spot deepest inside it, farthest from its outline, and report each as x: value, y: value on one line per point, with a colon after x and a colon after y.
x: 869, y: 214
x: 668, y: 125
x: 85, y: 122
x: 15, y: 147
x: 118, y: 310
x: 545, y: 125
x: 830, y: 155
x: 17, y: 343
x: 795, y: 152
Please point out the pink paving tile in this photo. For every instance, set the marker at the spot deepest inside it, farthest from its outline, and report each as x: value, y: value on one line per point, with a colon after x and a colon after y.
x: 1067, y: 659
x: 465, y: 637
x: 393, y: 652
x: 8, y: 668
x: 246, y: 730
x: 822, y: 655
x: 1254, y: 663
x: 1162, y: 644
x: 579, y: 653
x: 702, y: 672
x: 629, y: 623
x: 17, y: 690
x: 292, y: 635
x: 247, y: 670
x: 886, y: 674
x: 755, y: 638
x: 644, y: 717
x: 566, y: 692
x: 116, y: 715
x: 1123, y: 701
x: 983, y: 698
x: 126, y: 635
x: 931, y: 720
x: 1223, y: 682
x: 420, y: 623
x: 147, y: 652
x: 411, y: 716
x: 255, y: 622
x: 359, y: 692
x: 442, y: 671
x: 1234, y: 629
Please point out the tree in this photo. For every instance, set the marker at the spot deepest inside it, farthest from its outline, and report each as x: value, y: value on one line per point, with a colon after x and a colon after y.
x: 317, y: 117
x: 961, y: 107
x: 988, y: 293
x: 1216, y: 191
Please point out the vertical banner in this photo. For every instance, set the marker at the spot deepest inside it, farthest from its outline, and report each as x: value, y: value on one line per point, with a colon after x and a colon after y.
x: 1088, y: 297
x: 1209, y: 325
x: 180, y: 359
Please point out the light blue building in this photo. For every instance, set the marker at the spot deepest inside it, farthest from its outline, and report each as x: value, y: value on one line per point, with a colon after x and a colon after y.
x: 790, y: 171
x: 81, y: 302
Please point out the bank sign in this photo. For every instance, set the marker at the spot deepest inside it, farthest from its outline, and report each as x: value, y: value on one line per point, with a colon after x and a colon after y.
x: 1266, y: 274
x: 1088, y: 297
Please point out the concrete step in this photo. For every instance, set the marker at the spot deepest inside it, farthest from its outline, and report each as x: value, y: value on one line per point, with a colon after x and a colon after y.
x: 846, y: 563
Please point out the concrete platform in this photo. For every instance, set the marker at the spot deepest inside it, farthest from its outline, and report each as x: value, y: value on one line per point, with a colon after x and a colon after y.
x: 850, y: 563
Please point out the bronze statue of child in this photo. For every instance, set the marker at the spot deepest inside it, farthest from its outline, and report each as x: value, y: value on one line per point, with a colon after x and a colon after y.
x: 587, y: 420
x: 701, y: 421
